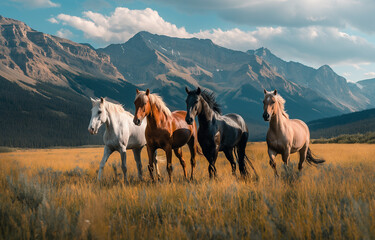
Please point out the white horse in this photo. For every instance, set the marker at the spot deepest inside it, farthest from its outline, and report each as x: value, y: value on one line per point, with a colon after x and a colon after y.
x: 120, y: 134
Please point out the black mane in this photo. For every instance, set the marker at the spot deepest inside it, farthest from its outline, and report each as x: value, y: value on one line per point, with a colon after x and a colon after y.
x: 209, y: 97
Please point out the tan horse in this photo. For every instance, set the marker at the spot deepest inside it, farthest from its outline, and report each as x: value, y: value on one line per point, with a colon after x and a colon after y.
x: 285, y: 136
x: 166, y: 130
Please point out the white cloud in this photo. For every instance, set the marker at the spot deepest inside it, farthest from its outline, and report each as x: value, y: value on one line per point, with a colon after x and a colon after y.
x: 64, y: 33
x: 37, y: 3
x: 122, y: 24
x: 52, y: 20
x: 369, y: 74
x: 313, y: 45
x: 288, y: 13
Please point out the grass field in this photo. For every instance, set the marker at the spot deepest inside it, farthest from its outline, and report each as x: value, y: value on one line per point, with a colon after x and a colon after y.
x: 54, y: 194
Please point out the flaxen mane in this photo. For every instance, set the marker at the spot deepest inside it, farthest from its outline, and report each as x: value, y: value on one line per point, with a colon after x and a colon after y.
x: 209, y: 97
x: 157, y: 101
x: 281, y: 102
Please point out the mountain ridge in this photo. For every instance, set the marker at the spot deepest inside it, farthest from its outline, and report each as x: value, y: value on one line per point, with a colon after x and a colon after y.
x: 59, y: 76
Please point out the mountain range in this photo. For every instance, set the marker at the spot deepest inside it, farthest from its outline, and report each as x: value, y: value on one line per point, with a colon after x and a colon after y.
x: 46, y: 82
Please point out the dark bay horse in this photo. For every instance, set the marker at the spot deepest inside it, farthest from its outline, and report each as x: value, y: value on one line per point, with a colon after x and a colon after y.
x: 218, y: 132
x: 166, y: 130
x: 285, y: 136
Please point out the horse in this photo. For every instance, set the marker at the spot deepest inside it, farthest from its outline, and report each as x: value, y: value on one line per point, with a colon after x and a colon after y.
x: 120, y: 134
x: 285, y: 136
x: 218, y: 132
x: 166, y: 130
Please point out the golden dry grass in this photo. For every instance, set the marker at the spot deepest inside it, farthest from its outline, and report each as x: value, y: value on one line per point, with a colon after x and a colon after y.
x: 54, y: 194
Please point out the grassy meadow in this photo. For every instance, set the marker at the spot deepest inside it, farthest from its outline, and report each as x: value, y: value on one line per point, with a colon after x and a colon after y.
x: 54, y: 194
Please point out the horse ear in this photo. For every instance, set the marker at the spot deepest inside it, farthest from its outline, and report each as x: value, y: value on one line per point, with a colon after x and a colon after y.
x: 137, y: 91
x: 93, y: 101
x: 275, y: 92
x: 148, y: 92
x: 199, y: 91
x: 102, y: 100
x: 265, y: 91
x: 187, y: 90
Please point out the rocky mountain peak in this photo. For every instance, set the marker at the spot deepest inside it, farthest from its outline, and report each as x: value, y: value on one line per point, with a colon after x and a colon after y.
x: 41, y: 56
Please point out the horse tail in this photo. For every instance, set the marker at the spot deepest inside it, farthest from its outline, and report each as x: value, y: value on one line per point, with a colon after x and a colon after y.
x: 312, y: 160
x: 248, y: 162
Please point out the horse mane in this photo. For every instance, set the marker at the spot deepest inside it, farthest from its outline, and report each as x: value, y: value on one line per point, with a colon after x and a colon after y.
x: 209, y: 97
x: 157, y: 101
x: 113, y: 107
x: 281, y: 102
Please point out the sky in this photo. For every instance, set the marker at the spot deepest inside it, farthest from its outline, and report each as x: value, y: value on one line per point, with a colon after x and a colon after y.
x: 340, y: 33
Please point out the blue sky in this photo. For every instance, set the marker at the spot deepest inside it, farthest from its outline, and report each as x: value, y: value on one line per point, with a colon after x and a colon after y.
x: 340, y: 33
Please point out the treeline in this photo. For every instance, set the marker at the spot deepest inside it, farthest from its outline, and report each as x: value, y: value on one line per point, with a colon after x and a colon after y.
x: 349, y: 138
x: 352, y: 123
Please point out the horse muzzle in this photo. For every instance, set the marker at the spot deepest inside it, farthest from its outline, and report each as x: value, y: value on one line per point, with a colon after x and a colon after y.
x: 136, y: 121
x: 189, y: 120
x: 266, y: 116
x: 92, y: 131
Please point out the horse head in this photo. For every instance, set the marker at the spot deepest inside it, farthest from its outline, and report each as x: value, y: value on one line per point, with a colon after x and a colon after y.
x: 142, y: 106
x: 269, y: 104
x: 192, y: 104
x: 98, y: 115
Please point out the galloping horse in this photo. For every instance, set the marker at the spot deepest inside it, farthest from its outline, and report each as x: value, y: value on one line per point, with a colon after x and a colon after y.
x: 218, y: 132
x: 120, y: 134
x: 165, y: 129
x: 285, y: 136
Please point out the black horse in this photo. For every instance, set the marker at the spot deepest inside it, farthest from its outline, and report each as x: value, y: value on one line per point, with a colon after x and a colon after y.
x: 218, y: 132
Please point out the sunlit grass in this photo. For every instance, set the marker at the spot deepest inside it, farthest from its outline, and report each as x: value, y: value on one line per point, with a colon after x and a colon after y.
x: 54, y: 194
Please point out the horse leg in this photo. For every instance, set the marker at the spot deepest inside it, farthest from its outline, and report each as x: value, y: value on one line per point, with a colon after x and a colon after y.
x: 217, y: 140
x: 137, y: 157
x: 106, y: 154
x: 272, y: 154
x: 156, y: 166
x: 178, y: 153
x: 192, y: 148
x: 286, y: 156
x: 229, y: 155
x: 302, y: 156
x: 216, y: 152
x: 209, y: 153
x: 168, y: 152
x: 151, y: 159
x: 123, y: 166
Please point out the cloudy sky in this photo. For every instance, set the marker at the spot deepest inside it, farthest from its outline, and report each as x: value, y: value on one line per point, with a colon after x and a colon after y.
x: 340, y: 33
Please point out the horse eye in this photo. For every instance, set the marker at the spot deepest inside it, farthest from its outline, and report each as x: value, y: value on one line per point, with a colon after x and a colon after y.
x: 99, y: 112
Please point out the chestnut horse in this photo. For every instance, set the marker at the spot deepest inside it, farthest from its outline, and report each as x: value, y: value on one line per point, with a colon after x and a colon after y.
x: 166, y: 130
x: 285, y: 136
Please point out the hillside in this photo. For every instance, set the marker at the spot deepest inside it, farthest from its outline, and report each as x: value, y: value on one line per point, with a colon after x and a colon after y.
x: 352, y: 123
x: 46, y: 82
x: 166, y: 65
x: 323, y: 80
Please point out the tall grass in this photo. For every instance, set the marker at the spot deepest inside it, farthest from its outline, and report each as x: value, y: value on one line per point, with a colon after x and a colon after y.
x: 54, y: 194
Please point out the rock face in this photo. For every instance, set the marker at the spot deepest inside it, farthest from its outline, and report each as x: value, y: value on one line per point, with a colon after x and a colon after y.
x: 166, y: 65
x: 323, y: 80
x: 44, y: 57
x: 46, y: 82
